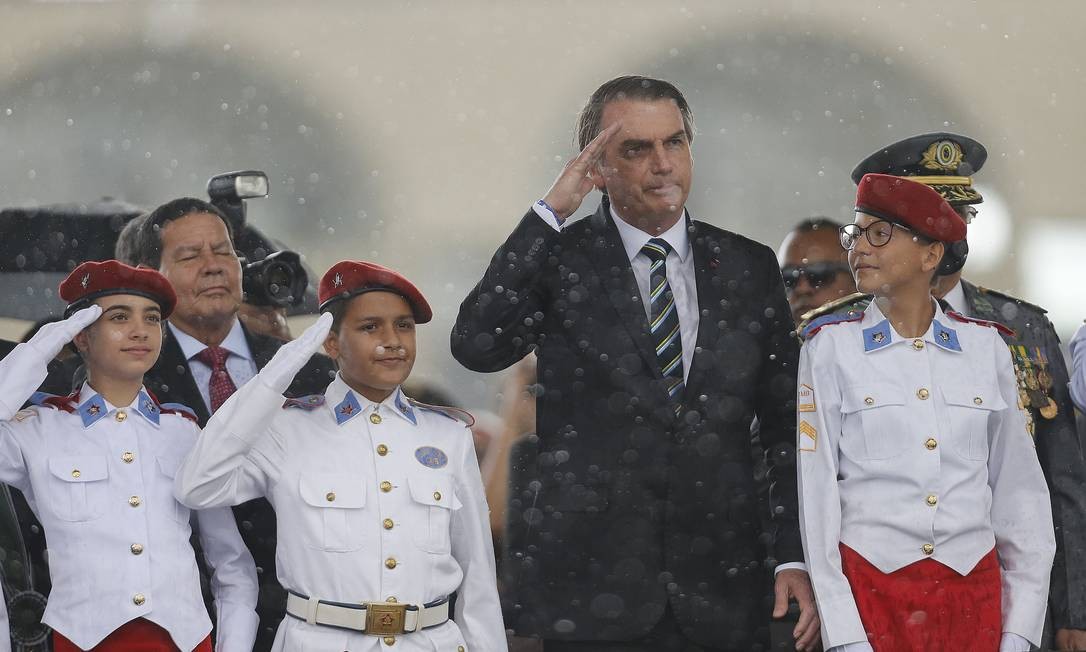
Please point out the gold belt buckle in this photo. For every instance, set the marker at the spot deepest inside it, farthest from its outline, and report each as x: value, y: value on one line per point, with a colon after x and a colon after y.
x: 385, y: 618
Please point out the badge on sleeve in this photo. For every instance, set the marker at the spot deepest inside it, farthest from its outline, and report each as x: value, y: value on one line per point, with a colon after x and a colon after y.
x: 806, y: 400
x: 431, y: 457
x: 808, y: 437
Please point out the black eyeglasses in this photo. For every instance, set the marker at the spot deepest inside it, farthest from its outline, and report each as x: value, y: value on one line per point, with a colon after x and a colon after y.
x: 817, y: 274
x: 878, y: 233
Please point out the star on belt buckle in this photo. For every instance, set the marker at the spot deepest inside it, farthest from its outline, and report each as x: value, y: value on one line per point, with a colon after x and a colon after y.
x: 385, y: 618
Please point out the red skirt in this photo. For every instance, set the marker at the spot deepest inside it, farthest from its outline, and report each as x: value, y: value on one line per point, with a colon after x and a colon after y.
x: 926, y: 605
x: 139, y: 635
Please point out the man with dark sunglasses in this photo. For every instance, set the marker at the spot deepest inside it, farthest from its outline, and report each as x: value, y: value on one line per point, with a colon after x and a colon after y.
x: 814, y: 266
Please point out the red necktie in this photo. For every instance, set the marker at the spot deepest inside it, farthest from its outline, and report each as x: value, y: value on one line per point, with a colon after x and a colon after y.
x: 221, y: 386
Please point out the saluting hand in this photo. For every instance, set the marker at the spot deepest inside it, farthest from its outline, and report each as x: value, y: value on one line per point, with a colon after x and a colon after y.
x: 292, y: 356
x: 571, y: 186
x: 51, y: 338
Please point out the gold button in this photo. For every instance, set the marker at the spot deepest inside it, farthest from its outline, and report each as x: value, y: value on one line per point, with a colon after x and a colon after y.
x: 387, y: 523
x: 918, y: 344
x: 76, y: 473
x: 392, y: 599
x: 931, y: 443
x: 869, y: 401
x: 134, y: 501
x: 136, y: 548
x: 375, y: 418
x: 437, y: 495
x: 978, y: 400
x: 923, y: 394
x: 386, y: 486
x: 390, y: 640
x: 138, y: 599
x: 390, y: 563
x: 382, y: 450
x: 128, y: 457
x: 459, y: 648
x: 121, y: 415
x: 927, y: 548
x: 932, y: 500
x: 330, y: 496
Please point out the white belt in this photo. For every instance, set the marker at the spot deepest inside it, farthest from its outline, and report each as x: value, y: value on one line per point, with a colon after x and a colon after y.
x: 375, y: 618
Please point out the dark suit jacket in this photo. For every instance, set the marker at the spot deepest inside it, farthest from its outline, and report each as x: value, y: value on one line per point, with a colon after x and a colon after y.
x: 627, y: 508
x: 171, y: 382
x: 1058, y: 447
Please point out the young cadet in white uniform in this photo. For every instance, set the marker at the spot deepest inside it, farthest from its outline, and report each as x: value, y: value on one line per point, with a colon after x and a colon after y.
x: 381, y: 514
x: 97, y: 467
x: 926, y: 520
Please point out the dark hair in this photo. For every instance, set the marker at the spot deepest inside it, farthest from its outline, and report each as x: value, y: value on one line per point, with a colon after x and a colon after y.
x: 128, y: 241
x: 629, y: 87
x: 817, y: 223
x: 337, y: 309
x: 148, y: 250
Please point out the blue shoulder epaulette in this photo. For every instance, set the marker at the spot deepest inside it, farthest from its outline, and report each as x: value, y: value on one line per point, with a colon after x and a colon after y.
x: 456, y: 414
x: 307, y: 403
x: 828, y: 320
x: 178, y: 409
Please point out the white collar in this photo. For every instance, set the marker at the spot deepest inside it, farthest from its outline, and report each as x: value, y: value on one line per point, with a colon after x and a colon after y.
x: 956, y: 299
x: 633, y: 238
x: 235, y: 342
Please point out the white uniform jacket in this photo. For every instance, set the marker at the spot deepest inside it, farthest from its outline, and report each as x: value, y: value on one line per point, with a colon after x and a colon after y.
x: 913, y: 448
x: 100, y: 479
x: 373, y: 502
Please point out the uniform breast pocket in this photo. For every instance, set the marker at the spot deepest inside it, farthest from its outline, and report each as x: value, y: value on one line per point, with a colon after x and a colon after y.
x: 874, y: 422
x: 332, y: 511
x: 79, y: 487
x: 435, y: 496
x: 166, y: 469
x: 969, y: 409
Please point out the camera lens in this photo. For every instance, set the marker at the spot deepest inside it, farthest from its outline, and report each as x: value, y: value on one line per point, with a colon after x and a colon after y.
x: 279, y: 281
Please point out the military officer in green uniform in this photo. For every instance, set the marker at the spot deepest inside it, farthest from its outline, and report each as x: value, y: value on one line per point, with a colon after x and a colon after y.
x: 946, y: 162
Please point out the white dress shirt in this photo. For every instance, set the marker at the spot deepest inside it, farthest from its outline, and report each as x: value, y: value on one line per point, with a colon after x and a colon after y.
x: 956, y: 299
x: 100, y: 480
x: 240, y: 364
x: 906, y: 443
x: 358, y: 487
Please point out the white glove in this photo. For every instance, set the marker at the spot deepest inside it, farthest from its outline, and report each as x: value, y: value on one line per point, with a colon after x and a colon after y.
x: 292, y: 356
x: 51, y: 338
x: 26, y: 367
x: 1011, y: 642
x: 853, y: 647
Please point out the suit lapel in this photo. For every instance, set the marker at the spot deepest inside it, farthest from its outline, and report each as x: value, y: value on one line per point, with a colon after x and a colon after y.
x: 261, y: 348
x: 608, y: 255
x: 171, y: 379
x: 706, y: 266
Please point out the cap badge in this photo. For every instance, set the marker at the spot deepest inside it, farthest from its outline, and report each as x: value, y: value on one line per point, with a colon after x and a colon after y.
x: 338, y: 280
x: 944, y: 155
x: 85, y: 281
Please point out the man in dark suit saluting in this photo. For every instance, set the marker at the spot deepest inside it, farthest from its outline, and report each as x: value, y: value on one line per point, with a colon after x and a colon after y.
x: 660, y: 341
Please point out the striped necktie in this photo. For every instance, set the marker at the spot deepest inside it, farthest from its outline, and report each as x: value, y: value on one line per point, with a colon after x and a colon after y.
x: 664, y: 318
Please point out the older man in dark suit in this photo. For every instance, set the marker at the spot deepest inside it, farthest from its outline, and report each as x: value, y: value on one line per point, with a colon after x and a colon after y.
x: 661, y: 340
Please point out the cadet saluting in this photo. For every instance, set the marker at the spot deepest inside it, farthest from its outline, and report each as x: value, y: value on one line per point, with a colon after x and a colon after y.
x: 382, y: 520
x: 97, y: 466
x: 926, y: 519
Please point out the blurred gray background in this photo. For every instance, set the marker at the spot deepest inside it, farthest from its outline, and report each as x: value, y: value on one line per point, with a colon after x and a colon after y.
x: 415, y: 134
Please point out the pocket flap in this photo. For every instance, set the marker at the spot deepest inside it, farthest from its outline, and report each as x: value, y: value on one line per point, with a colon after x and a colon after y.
x: 980, y: 397
x: 168, y: 466
x: 865, y: 397
x: 81, y: 468
x: 333, y: 490
x: 434, y: 489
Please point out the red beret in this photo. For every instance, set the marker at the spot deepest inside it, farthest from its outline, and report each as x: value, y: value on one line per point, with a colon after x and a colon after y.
x: 95, y: 279
x: 349, y: 278
x: 911, y: 204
